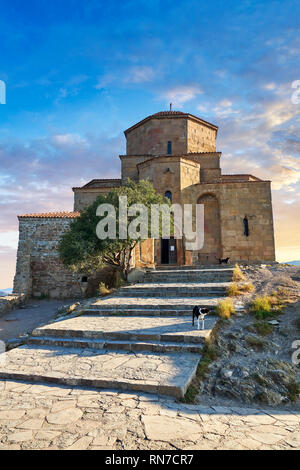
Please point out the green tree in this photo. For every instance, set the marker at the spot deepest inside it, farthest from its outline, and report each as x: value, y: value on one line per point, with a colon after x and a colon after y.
x: 81, y: 250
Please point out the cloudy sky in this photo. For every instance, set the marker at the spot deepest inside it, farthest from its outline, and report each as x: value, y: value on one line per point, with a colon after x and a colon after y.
x: 78, y: 73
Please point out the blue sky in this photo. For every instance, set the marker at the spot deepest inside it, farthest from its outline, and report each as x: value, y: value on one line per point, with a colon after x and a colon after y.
x: 79, y: 73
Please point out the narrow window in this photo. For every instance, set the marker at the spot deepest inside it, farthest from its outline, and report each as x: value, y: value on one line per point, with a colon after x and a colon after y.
x: 169, y: 147
x: 168, y: 195
x: 246, y: 227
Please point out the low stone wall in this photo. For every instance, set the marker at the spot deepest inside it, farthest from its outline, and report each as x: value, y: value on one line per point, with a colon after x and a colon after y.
x: 40, y: 272
x: 9, y: 302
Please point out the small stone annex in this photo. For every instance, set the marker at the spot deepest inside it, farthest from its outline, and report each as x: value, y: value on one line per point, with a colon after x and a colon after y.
x: 176, y: 152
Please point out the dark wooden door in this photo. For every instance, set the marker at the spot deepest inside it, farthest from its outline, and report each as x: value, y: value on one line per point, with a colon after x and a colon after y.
x: 168, y: 251
x: 172, y: 251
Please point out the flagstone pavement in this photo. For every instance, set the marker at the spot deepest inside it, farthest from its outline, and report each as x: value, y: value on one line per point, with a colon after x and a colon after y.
x: 34, y: 416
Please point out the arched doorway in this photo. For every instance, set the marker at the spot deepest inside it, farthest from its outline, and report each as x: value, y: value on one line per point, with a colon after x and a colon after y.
x: 212, y: 230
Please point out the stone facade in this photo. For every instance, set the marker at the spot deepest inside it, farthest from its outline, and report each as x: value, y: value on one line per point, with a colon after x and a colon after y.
x: 187, y: 134
x: 39, y: 269
x: 177, y: 153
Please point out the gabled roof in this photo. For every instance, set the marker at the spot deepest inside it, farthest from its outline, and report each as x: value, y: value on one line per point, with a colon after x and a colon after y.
x: 172, y: 114
x: 101, y: 183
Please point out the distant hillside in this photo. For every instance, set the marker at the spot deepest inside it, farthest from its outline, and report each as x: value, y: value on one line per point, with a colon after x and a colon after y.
x: 296, y: 263
x: 5, y: 291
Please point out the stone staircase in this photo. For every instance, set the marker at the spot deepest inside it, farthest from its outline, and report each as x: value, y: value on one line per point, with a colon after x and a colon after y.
x: 140, y: 338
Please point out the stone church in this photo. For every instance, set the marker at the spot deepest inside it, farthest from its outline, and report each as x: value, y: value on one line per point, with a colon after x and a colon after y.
x: 176, y: 152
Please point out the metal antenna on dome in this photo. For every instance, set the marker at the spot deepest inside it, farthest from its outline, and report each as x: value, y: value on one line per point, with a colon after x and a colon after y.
x: 170, y: 106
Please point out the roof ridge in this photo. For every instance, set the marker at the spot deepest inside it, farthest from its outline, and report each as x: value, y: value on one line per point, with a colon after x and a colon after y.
x: 162, y: 114
x: 53, y: 215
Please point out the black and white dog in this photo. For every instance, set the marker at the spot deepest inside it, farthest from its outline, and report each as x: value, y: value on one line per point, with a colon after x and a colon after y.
x: 223, y: 260
x: 200, y: 313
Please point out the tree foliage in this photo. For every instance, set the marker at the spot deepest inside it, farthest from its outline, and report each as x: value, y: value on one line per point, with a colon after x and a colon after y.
x: 81, y: 250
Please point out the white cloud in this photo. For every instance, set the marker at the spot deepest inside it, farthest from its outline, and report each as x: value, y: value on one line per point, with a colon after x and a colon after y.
x: 181, y: 94
x: 67, y: 139
x: 225, y: 103
x: 277, y: 113
x: 139, y: 74
x: 136, y: 74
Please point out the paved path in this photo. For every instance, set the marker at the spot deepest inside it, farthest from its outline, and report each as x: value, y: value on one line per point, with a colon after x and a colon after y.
x: 50, y: 417
x: 91, y: 326
x: 167, y: 374
x: 156, y: 301
x: 35, y: 313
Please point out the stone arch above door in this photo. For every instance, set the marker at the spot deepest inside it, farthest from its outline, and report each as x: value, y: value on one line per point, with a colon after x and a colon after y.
x: 212, y: 230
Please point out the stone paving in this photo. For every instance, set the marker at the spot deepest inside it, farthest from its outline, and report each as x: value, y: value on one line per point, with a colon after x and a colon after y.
x: 34, y: 416
x: 167, y: 374
x: 31, y: 315
x: 145, y: 328
x: 141, y: 302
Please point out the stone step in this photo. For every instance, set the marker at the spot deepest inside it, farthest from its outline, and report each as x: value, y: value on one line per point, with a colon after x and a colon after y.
x: 138, y: 312
x: 200, y: 275
x: 154, y: 346
x: 203, y: 267
x: 172, y: 278
x: 190, y: 289
x: 164, y: 293
x: 176, y: 286
x: 155, y: 306
x: 162, y: 374
x: 140, y: 328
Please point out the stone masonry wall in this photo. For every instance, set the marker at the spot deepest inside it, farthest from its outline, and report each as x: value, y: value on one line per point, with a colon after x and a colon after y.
x: 186, y: 135
x: 39, y: 270
x: 152, y: 137
x: 84, y: 198
x: 235, y: 201
x: 200, y: 138
x: 129, y: 166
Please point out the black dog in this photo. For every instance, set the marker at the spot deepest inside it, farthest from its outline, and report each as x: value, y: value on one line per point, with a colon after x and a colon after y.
x: 199, y: 312
x: 223, y: 260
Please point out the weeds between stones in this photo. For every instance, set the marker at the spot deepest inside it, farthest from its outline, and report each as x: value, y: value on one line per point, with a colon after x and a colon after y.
x: 239, y: 289
x: 225, y: 309
x: 238, y: 274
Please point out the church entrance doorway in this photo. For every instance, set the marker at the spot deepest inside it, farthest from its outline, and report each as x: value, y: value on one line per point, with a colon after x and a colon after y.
x: 168, y: 251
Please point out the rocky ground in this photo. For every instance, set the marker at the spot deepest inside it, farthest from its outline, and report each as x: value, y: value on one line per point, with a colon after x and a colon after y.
x: 252, y: 368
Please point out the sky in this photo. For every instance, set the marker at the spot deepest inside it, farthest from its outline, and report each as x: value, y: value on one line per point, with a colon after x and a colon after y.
x: 78, y: 74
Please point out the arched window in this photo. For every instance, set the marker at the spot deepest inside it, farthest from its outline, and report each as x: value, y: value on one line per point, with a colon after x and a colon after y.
x: 168, y: 195
x: 246, y: 226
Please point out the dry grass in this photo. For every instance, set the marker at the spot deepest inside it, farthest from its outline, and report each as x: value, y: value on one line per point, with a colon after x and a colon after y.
x: 233, y: 290
x: 266, y: 306
x: 261, y: 307
x: 239, y: 289
x: 238, y: 274
x: 247, y: 287
x: 103, y: 290
x: 225, y: 308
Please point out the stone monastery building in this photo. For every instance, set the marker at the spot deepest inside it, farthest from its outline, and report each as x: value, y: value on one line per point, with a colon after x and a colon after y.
x: 176, y: 152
